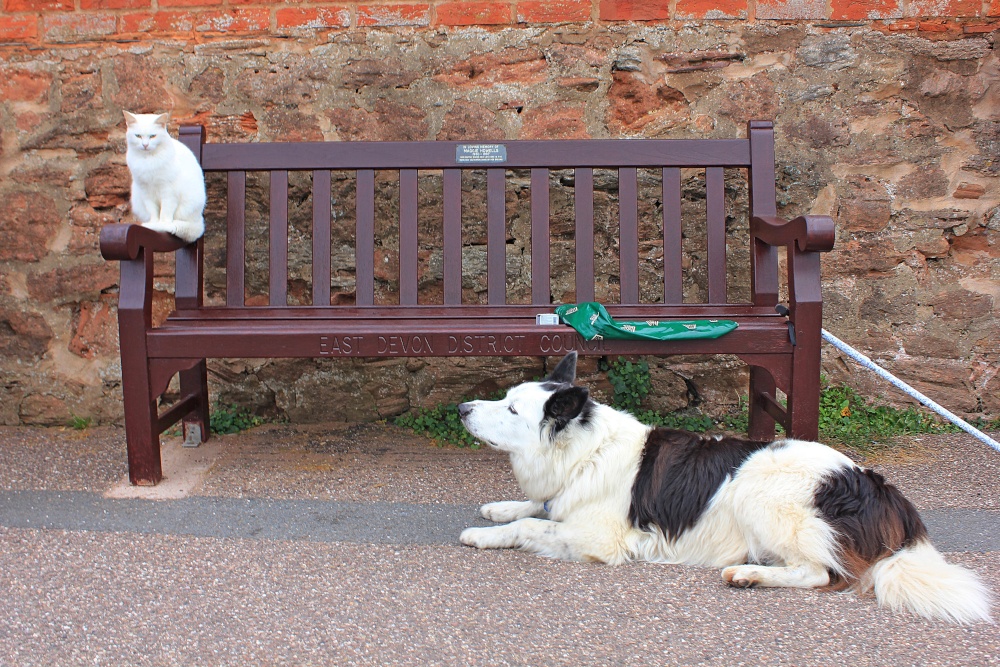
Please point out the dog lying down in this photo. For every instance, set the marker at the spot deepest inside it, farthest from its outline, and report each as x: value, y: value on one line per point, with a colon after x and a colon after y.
x: 602, y: 486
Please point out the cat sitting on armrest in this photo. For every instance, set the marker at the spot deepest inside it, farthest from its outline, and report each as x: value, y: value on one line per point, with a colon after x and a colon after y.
x: 168, y: 186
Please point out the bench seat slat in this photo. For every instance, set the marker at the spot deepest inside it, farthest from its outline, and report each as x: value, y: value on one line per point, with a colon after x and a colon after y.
x: 473, y: 312
x: 441, y: 337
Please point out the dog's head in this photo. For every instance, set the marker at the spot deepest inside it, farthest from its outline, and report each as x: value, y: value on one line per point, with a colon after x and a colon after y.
x: 531, y: 414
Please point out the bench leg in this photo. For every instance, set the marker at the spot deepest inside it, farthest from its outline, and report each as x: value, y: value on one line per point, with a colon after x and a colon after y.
x: 803, y: 399
x: 196, y: 424
x: 142, y: 431
x: 761, y: 427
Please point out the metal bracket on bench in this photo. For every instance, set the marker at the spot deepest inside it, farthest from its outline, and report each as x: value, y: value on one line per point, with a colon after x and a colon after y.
x: 192, y: 434
x: 782, y: 310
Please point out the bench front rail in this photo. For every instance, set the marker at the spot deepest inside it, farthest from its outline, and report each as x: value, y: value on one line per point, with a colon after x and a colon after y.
x: 782, y: 352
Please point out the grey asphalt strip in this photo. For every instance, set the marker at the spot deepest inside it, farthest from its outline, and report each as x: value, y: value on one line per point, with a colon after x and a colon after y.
x: 253, y: 518
x: 353, y: 522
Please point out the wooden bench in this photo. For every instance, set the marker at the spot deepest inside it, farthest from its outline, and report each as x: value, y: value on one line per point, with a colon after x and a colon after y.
x: 781, y: 350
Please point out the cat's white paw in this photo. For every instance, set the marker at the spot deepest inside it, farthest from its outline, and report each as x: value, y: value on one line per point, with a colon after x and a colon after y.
x: 160, y: 226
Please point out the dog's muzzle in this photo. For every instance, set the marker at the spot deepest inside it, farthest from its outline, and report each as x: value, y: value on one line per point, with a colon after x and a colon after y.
x: 464, y: 409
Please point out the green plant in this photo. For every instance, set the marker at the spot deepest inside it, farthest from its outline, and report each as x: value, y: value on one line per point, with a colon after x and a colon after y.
x: 847, y: 418
x: 440, y: 423
x: 631, y: 383
x: 231, y: 419
x: 79, y: 423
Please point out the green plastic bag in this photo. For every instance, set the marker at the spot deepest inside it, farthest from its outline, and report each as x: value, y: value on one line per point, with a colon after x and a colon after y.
x: 592, y: 321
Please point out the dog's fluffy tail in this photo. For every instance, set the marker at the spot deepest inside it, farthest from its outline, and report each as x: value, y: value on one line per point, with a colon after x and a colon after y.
x: 918, y: 579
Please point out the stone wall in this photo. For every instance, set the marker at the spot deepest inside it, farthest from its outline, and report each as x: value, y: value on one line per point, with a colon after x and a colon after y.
x: 886, y: 118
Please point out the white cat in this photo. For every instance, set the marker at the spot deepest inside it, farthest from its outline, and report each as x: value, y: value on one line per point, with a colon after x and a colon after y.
x: 168, y: 185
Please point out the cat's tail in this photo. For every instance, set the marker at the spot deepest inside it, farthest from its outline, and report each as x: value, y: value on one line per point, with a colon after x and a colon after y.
x: 918, y: 579
x: 188, y: 230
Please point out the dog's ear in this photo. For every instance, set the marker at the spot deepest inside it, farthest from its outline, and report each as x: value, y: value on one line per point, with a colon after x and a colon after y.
x: 566, y: 405
x: 565, y: 372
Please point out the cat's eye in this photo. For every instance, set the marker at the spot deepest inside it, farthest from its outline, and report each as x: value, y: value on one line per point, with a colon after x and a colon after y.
x: 512, y: 410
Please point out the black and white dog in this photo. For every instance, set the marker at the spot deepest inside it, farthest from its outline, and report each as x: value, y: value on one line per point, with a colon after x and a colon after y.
x: 602, y: 486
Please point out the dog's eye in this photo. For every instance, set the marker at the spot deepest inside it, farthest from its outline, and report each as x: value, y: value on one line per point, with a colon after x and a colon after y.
x: 512, y: 410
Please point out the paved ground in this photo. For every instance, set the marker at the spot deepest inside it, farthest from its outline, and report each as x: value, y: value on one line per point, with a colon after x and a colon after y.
x: 337, y: 545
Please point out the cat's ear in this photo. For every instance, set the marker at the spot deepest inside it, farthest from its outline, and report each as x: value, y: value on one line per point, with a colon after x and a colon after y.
x: 163, y: 119
x: 129, y: 117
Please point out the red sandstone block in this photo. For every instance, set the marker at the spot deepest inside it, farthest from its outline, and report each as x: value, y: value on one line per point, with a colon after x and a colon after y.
x: 37, y: 5
x: 313, y: 17
x: 387, y: 15
x: 944, y: 8
x: 634, y: 10
x: 899, y: 26
x: 790, y: 9
x: 234, y: 20
x: 994, y: 9
x: 156, y: 22
x: 474, y: 13
x: 980, y: 28
x: 555, y: 11
x: 76, y: 28
x: 860, y: 10
x: 18, y: 28
x: 116, y: 4
x: 188, y: 3
x: 711, y: 9
x: 23, y: 85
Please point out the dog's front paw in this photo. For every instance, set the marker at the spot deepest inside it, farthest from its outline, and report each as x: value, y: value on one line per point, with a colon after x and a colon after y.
x: 508, y: 510
x: 741, y: 576
x: 484, y: 538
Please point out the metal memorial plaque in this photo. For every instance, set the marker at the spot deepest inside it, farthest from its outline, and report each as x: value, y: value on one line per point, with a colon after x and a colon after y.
x: 480, y: 154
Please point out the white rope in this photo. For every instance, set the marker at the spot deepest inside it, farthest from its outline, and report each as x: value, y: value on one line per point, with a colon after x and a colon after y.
x: 899, y: 384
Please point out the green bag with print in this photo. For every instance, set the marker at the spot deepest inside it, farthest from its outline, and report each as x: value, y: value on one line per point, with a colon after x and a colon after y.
x: 592, y: 321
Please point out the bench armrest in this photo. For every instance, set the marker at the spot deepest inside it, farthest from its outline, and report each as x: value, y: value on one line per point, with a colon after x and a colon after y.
x: 123, y: 241
x: 811, y: 233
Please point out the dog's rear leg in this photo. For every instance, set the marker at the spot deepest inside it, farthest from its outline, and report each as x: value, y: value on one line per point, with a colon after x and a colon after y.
x: 806, y: 575
x: 540, y: 536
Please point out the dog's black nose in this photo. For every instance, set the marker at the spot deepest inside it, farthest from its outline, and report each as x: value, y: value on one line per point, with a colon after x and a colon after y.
x: 464, y: 409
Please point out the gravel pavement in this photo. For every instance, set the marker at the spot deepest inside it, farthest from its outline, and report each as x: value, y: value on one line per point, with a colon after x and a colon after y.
x: 337, y: 545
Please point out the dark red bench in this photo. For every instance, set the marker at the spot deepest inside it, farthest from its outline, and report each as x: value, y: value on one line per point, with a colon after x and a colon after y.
x: 780, y: 351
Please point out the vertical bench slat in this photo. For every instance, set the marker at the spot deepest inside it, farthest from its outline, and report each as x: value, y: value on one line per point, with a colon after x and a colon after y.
x: 452, y: 192
x: 496, y: 237
x: 628, y: 234
x: 365, y: 244
x: 408, y: 237
x: 322, y: 214
x: 673, y: 272
x: 540, y: 243
x: 716, y: 218
x: 763, y: 257
x: 584, y: 209
x: 236, y: 215
x: 278, y: 265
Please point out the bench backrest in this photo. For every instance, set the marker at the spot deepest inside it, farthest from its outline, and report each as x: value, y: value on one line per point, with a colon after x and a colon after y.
x: 498, y: 159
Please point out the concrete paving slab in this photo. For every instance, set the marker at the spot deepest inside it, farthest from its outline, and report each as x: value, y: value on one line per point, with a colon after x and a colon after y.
x: 336, y: 545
